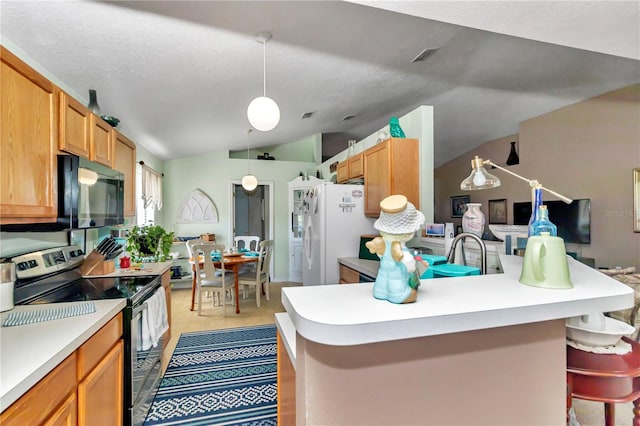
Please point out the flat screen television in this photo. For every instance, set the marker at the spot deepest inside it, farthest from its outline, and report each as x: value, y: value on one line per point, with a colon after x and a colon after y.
x: 573, y: 220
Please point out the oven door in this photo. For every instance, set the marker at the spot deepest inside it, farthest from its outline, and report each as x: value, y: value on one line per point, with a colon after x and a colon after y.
x: 145, y: 368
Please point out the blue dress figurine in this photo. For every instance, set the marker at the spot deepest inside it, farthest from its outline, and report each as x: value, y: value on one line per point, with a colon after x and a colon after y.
x: 397, y: 280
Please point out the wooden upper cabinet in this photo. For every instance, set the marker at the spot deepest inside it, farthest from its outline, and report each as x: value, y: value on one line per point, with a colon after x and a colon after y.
x: 391, y: 167
x: 342, y: 172
x: 351, y: 168
x: 124, y: 160
x: 356, y: 166
x: 75, y: 122
x: 28, y: 143
x: 101, y: 141
x: 83, y: 133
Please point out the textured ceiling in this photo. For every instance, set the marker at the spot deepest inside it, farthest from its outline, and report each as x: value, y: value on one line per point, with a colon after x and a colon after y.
x: 180, y: 75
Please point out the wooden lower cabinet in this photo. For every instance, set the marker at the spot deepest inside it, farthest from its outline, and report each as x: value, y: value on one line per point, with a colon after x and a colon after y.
x: 84, y: 389
x: 66, y: 414
x: 286, y: 385
x: 348, y: 275
x: 44, y: 399
x: 100, y: 393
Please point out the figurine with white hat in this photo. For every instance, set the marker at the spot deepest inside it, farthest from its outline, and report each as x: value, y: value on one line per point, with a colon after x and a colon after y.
x: 396, y: 280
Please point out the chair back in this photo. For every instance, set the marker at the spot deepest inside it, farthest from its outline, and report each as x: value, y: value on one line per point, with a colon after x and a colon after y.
x: 264, y: 261
x: 249, y: 242
x: 206, y: 271
x: 191, y: 243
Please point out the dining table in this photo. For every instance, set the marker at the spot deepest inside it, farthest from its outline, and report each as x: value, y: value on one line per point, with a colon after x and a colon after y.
x: 232, y: 262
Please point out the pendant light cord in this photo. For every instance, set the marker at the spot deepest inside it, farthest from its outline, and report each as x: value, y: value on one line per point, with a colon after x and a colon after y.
x: 264, y: 67
x: 248, y: 133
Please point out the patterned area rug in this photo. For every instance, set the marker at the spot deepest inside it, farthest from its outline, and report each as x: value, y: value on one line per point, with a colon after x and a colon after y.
x: 222, y: 377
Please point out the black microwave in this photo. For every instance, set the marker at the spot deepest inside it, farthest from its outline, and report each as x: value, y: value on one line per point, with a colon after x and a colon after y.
x: 90, y: 195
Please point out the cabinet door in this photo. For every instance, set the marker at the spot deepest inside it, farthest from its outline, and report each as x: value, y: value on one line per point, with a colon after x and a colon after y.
x: 100, y: 394
x: 75, y: 120
x: 342, y: 172
x: 101, y: 141
x: 66, y: 415
x: 377, y: 183
x: 124, y: 160
x: 28, y: 143
x: 356, y: 166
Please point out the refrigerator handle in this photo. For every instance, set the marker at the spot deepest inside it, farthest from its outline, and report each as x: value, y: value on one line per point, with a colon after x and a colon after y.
x: 307, y: 243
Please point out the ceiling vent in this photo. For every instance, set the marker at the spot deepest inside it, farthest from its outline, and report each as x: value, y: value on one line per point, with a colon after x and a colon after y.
x: 306, y: 115
x: 348, y: 117
x: 422, y: 56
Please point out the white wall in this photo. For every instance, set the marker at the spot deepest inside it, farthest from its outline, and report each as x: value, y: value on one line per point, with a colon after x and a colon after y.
x: 211, y: 173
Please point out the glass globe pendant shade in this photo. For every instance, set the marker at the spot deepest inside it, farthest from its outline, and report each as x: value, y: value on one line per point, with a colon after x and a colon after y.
x: 249, y: 183
x: 263, y: 113
x: 479, y: 178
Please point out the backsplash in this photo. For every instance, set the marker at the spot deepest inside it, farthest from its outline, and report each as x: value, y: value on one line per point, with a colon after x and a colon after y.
x: 16, y: 243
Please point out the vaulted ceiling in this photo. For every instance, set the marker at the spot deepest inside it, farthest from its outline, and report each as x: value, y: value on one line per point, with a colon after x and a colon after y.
x: 180, y: 74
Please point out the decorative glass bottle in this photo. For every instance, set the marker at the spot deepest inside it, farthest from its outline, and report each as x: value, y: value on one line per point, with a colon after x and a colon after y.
x: 473, y: 220
x: 513, y: 156
x: 93, y: 102
x: 543, y: 224
x: 537, y: 202
x: 395, y: 129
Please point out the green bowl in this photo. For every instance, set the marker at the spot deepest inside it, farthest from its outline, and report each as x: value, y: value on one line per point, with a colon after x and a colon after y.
x: 111, y: 120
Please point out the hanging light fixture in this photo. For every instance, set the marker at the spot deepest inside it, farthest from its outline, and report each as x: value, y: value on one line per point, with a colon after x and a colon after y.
x: 263, y: 112
x: 249, y: 181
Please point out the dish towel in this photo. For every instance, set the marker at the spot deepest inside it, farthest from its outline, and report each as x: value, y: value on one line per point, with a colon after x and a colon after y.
x: 154, y: 319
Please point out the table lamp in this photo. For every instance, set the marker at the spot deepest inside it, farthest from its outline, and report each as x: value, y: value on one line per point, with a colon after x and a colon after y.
x: 544, y: 270
x: 480, y: 178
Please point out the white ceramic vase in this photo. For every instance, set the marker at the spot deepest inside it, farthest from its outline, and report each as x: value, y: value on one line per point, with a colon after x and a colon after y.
x: 473, y: 220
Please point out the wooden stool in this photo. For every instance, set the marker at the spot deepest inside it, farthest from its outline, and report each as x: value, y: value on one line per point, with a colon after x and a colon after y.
x: 607, y: 378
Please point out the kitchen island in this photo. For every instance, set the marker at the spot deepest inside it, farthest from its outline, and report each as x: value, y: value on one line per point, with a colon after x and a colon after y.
x: 472, y: 350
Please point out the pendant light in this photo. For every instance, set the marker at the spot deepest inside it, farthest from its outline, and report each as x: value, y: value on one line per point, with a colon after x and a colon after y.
x: 263, y: 112
x: 249, y: 181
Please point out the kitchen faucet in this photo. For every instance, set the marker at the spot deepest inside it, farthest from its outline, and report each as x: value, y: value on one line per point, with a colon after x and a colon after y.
x: 483, y: 251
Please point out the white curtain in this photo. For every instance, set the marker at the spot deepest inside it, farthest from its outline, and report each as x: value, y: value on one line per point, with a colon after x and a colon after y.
x: 151, y: 188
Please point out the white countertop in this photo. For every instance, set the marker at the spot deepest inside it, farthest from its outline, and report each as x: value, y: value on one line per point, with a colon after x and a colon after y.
x: 29, y: 352
x: 350, y: 315
x: 155, y: 268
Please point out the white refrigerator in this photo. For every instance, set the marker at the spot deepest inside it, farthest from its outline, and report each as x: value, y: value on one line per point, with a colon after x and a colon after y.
x: 334, y: 222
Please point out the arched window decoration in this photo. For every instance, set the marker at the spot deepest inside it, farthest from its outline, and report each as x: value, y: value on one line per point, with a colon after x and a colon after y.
x: 197, y: 207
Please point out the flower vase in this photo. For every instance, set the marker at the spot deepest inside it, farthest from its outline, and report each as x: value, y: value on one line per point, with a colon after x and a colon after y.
x: 93, y: 102
x: 473, y: 220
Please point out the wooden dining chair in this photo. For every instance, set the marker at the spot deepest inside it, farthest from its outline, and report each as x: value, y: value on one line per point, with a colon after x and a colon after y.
x: 207, y: 275
x: 259, y: 279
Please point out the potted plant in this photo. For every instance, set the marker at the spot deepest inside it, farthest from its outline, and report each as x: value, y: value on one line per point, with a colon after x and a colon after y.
x: 149, y: 241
